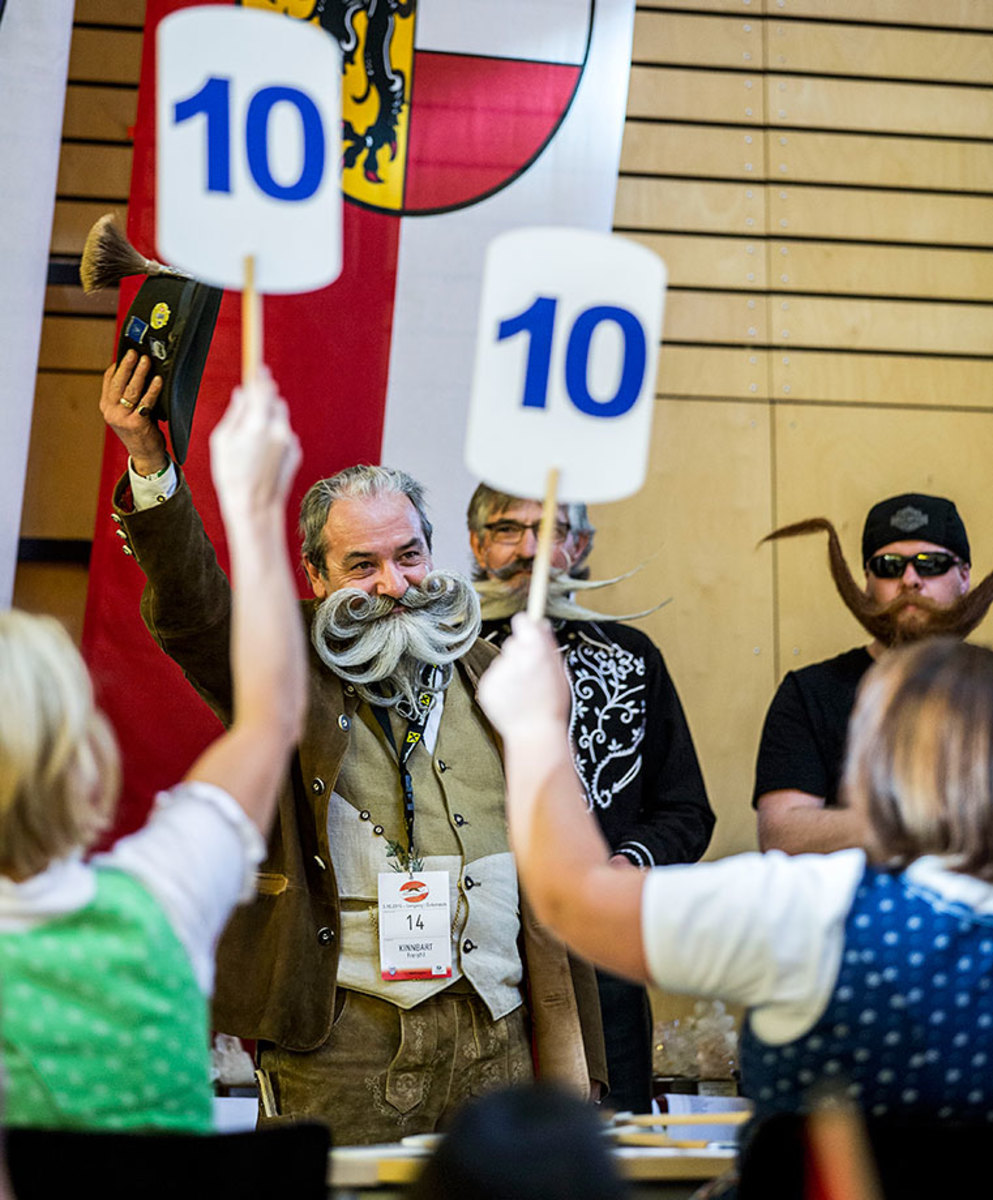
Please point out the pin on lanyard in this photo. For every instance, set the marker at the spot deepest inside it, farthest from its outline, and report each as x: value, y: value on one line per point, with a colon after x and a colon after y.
x: 412, y: 738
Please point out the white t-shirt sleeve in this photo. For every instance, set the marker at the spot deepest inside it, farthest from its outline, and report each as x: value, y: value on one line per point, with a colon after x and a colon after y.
x: 197, y: 855
x: 762, y: 930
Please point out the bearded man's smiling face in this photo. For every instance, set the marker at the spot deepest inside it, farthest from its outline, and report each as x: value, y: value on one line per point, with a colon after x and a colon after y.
x: 373, y: 543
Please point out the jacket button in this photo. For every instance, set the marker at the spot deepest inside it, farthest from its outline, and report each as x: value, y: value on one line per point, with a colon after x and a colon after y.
x: 469, y: 883
x: 468, y: 946
x: 344, y: 723
x: 317, y: 786
x: 128, y: 551
x: 349, y: 690
x: 458, y: 819
x: 442, y: 765
x: 121, y: 533
x: 325, y: 936
x: 115, y: 518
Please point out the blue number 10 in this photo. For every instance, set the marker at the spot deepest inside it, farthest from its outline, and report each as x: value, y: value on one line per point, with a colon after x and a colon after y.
x: 539, y: 322
x: 214, y: 101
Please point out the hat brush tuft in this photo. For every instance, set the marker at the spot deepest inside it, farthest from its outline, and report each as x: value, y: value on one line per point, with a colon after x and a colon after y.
x: 108, y: 257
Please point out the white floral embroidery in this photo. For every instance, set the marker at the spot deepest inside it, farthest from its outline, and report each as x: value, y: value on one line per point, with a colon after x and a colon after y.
x: 607, y: 723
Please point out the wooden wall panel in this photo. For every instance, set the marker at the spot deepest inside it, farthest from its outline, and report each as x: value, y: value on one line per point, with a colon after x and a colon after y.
x: 927, y: 110
x: 877, y: 216
x: 111, y: 12
x: 712, y: 151
x: 819, y: 176
x: 720, y: 317
x: 105, y: 56
x: 964, y: 14
x: 74, y: 219
x: 658, y: 93
x: 676, y: 40
x: 903, y: 326
x: 713, y: 372
x: 882, y: 53
x: 699, y: 207
x: 900, y: 380
x: 99, y: 113
x: 67, y: 436
x: 837, y: 462
x: 74, y: 343
x: 709, y: 262
x: 87, y: 170
x: 867, y: 270
x: 703, y: 509
x: 890, y: 162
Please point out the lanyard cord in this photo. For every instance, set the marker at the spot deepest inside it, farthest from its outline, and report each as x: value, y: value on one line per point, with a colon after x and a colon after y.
x: 412, y: 738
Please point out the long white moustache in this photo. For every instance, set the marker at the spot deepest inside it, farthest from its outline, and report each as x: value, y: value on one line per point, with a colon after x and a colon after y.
x: 500, y: 599
x: 388, y: 648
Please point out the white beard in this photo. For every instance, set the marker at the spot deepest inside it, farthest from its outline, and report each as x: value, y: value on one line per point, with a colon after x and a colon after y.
x: 499, y: 599
x: 395, y: 651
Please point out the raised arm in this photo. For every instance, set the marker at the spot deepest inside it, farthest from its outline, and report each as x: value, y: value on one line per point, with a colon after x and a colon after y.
x: 562, y: 858
x: 254, y: 456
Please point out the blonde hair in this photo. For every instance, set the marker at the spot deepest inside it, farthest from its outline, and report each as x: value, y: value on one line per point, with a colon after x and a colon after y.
x: 920, y: 755
x: 59, y: 764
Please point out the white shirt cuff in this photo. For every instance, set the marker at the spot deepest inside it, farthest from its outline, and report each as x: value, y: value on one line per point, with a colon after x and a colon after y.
x: 146, y: 493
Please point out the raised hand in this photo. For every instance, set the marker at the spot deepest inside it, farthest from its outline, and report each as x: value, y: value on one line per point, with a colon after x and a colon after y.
x: 126, y: 405
x: 526, y: 686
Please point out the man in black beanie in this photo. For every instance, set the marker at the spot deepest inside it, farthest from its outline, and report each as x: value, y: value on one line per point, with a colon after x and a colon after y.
x: 916, y: 556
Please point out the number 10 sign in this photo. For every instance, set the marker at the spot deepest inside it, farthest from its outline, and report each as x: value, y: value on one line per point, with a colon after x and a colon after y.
x: 566, y: 354
x: 247, y: 114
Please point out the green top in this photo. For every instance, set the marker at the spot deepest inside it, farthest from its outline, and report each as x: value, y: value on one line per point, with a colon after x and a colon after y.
x: 102, y: 1021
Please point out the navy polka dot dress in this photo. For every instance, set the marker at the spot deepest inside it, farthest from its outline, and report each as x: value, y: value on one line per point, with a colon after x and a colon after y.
x: 909, y: 1025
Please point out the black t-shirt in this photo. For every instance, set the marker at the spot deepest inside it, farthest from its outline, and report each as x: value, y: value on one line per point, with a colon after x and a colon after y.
x: 803, y: 739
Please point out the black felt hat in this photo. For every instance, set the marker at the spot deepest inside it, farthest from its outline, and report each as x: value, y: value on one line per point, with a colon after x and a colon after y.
x: 172, y: 321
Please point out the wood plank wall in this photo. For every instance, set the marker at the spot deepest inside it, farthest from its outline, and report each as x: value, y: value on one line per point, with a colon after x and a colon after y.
x: 818, y: 175
x: 77, y: 339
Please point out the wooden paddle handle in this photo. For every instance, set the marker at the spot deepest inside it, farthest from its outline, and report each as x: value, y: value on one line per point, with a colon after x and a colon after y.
x: 538, y: 592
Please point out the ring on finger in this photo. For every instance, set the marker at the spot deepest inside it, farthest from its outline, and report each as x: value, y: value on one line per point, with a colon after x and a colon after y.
x: 127, y: 403
x: 143, y: 411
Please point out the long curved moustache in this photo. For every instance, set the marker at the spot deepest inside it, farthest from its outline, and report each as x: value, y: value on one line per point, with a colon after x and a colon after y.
x: 507, y: 593
x: 388, y: 648
x: 958, y: 619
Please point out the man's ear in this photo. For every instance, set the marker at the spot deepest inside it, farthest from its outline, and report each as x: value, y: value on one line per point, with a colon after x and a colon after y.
x: 318, y: 583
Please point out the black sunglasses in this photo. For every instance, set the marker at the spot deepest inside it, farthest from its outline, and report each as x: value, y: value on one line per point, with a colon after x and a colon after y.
x: 927, y: 564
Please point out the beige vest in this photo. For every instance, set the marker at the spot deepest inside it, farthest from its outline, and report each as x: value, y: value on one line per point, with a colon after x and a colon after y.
x: 459, y: 827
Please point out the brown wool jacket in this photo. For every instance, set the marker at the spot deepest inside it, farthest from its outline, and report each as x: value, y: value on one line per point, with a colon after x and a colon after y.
x: 277, y: 961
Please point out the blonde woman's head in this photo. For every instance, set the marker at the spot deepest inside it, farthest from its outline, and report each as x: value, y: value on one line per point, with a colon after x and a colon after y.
x: 59, y: 766
x: 920, y: 755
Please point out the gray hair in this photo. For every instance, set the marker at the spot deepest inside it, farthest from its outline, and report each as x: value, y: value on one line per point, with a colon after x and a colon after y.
x: 354, y: 483
x: 487, y: 502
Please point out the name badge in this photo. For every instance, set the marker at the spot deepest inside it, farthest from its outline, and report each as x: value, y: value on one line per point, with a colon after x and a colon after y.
x: 415, y: 924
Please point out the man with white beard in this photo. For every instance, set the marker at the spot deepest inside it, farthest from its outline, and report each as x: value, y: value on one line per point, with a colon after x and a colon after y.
x: 398, y: 774
x: 630, y: 741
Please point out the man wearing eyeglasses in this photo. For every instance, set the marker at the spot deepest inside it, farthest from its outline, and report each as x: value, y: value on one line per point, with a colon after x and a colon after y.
x: 916, y: 556
x: 631, y: 743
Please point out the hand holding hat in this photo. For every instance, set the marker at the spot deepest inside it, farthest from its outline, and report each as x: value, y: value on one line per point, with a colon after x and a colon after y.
x: 169, y: 325
x: 127, y: 405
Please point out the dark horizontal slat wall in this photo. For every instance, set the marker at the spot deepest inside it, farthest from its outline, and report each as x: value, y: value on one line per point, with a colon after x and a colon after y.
x: 78, y: 331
